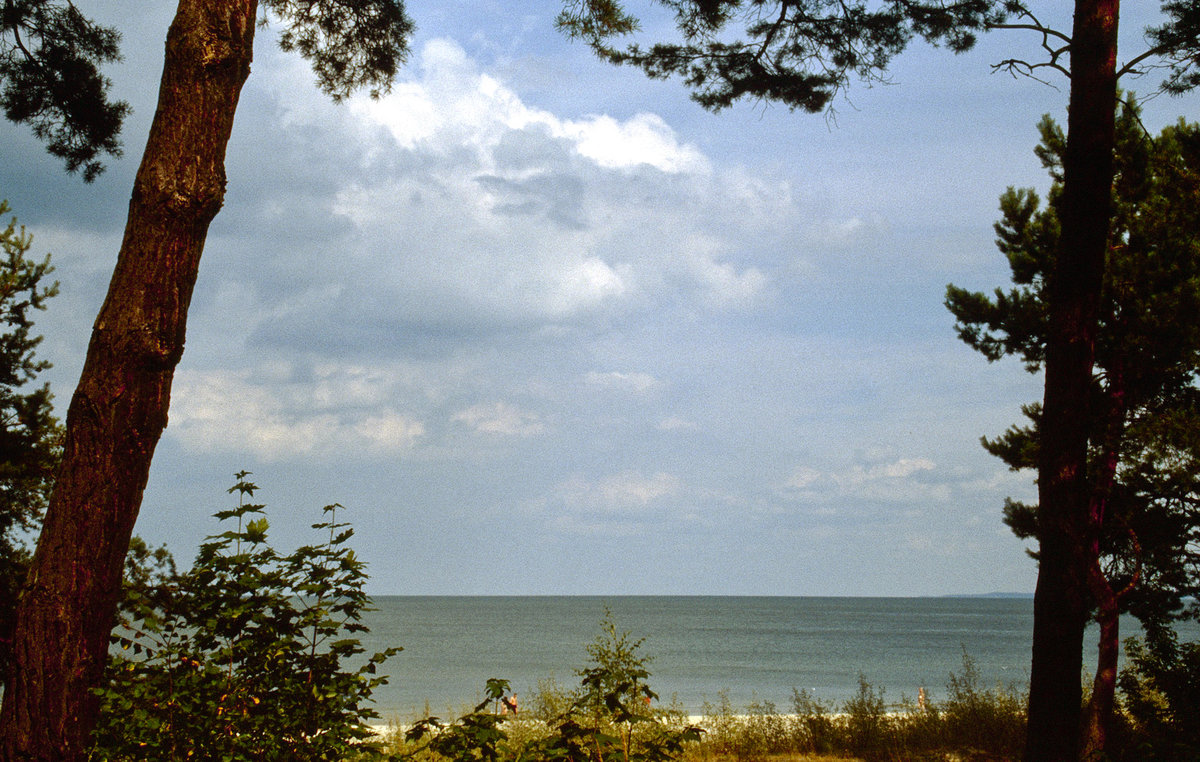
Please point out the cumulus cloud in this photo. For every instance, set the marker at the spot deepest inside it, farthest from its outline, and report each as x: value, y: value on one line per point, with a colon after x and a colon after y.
x: 240, y: 412
x: 500, y: 418
x: 453, y: 98
x: 453, y: 206
x: 643, y: 139
x: 627, y: 492
x: 897, y: 480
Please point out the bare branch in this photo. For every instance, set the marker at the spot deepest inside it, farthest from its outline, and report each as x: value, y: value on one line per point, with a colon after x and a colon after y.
x: 1131, y: 67
x: 1046, y: 31
x: 1017, y: 67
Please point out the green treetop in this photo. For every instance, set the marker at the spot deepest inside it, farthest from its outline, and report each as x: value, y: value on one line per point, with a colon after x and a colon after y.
x: 799, y: 53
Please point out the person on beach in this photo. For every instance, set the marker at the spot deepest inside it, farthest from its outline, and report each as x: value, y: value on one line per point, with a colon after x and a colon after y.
x: 510, y: 704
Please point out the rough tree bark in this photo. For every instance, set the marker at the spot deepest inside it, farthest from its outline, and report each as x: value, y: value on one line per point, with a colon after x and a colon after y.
x: 1099, y: 714
x: 1062, y: 599
x: 119, y: 409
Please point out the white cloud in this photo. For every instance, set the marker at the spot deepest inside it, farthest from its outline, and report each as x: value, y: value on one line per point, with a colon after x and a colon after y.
x: 643, y: 139
x: 841, y: 234
x: 500, y: 418
x: 389, y: 430
x: 616, y: 380
x: 274, y: 419
x: 804, y: 477
x: 618, y: 505
x: 878, y: 482
x: 589, y: 283
x: 900, y: 468
x: 456, y: 202
x: 728, y: 287
x: 453, y: 99
x: 619, y: 493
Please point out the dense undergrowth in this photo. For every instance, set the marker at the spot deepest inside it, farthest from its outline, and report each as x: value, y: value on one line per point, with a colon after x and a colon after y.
x: 972, y: 723
x: 249, y: 656
x: 254, y: 655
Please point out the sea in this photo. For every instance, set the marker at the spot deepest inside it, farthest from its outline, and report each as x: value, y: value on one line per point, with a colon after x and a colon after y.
x: 702, y: 650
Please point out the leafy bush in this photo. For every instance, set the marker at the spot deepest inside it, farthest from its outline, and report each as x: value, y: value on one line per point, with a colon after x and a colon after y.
x: 242, y: 657
x: 1161, y: 686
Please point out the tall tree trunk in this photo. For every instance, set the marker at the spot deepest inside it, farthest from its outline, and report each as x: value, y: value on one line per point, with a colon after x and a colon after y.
x: 119, y: 409
x: 1099, y: 717
x: 1098, y: 720
x: 1061, y: 601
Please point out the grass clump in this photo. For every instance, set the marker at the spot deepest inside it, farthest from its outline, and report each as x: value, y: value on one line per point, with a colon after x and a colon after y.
x: 608, y: 718
x: 972, y: 723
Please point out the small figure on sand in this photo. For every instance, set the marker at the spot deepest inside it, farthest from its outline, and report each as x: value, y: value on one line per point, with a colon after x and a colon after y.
x: 510, y: 704
x: 921, y: 698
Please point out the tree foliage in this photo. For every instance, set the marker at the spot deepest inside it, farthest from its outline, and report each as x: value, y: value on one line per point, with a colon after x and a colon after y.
x: 242, y: 657
x: 1161, y: 685
x: 804, y: 52
x: 351, y: 44
x: 1142, y: 464
x: 1178, y: 41
x: 50, y: 58
x: 797, y: 52
x: 1147, y: 351
x: 30, y: 435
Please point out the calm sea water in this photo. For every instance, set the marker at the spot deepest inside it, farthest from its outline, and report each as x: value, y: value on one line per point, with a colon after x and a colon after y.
x: 753, y: 649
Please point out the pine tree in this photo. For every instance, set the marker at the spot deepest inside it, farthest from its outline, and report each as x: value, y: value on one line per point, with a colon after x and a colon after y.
x: 1143, y: 469
x: 30, y: 435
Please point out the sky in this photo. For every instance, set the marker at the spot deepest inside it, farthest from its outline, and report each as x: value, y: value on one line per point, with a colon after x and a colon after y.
x: 544, y: 326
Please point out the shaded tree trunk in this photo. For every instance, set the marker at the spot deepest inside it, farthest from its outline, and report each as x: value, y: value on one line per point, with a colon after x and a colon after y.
x: 1099, y: 716
x: 1062, y: 598
x: 119, y: 409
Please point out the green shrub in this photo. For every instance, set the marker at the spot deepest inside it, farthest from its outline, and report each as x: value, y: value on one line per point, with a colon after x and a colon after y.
x: 1161, y: 687
x: 549, y: 700
x: 868, y: 728
x: 981, y: 719
x: 818, y: 732
x: 242, y: 657
x: 721, y: 725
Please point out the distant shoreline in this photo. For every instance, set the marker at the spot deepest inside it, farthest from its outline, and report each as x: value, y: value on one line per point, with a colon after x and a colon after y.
x: 1006, y: 596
